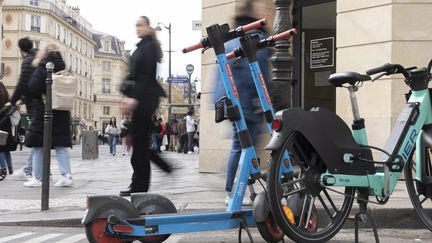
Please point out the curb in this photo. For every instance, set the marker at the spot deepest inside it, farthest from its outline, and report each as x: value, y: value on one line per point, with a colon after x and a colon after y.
x: 405, y: 218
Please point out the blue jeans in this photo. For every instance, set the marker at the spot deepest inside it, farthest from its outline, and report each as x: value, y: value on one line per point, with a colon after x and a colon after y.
x: 155, y: 141
x: 235, y: 153
x: 28, y: 168
x: 6, y: 160
x: 112, y: 143
x: 63, y: 161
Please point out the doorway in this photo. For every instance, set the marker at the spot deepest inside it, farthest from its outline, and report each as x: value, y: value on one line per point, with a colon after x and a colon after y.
x: 314, y: 53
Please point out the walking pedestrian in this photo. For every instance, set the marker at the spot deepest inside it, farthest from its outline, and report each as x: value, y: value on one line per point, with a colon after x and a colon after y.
x: 190, y: 128
x: 155, y: 134
x: 21, y: 93
x: 125, y: 136
x: 174, y: 135
x: 246, y: 13
x: 113, y: 132
x: 143, y: 99
x: 6, y: 126
x: 183, y: 144
x: 61, y: 135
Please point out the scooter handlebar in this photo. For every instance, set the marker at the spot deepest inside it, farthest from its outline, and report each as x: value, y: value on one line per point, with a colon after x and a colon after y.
x: 254, y: 25
x: 205, y: 43
x: 193, y: 47
x: 284, y: 35
x: 270, y: 41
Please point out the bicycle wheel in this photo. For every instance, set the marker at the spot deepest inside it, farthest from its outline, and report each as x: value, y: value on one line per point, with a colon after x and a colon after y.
x: 419, y: 192
x: 304, y: 209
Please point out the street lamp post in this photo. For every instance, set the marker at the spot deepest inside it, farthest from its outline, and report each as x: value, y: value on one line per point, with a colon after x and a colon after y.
x: 282, y: 61
x: 158, y: 28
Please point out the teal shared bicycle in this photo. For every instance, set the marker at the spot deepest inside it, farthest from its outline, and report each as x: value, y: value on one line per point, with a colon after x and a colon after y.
x: 331, y: 162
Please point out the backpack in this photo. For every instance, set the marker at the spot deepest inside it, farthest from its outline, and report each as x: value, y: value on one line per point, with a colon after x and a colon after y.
x: 63, y: 90
x: 174, y: 129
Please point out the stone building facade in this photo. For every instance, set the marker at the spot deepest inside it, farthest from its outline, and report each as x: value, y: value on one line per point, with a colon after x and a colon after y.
x: 110, y: 69
x: 52, y: 21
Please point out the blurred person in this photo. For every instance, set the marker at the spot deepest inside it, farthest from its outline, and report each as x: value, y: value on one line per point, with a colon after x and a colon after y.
x: 174, y: 133
x: 125, y: 136
x: 248, y: 12
x: 183, y: 137
x: 155, y: 134
x: 28, y: 54
x: 61, y: 134
x: 190, y: 128
x: 113, y: 132
x: 143, y: 93
x: 6, y: 126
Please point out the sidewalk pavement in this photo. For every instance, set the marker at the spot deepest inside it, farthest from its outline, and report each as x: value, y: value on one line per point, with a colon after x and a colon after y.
x: 186, y: 187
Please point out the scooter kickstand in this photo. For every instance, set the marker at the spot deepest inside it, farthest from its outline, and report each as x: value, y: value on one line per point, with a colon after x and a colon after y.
x: 363, y: 216
x: 243, y: 226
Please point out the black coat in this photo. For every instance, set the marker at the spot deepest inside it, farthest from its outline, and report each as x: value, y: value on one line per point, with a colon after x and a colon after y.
x: 11, y: 144
x: 61, y: 135
x: 21, y: 90
x: 142, y: 70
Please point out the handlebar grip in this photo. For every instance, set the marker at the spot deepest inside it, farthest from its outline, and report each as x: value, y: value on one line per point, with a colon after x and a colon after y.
x: 193, y: 47
x: 254, y: 25
x: 231, y: 55
x: 384, y: 68
x: 284, y: 35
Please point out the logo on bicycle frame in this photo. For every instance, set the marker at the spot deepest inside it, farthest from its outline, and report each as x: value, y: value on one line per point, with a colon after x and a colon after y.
x: 410, y: 145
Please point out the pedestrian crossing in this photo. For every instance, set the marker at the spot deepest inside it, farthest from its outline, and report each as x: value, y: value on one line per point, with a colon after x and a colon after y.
x: 43, y: 237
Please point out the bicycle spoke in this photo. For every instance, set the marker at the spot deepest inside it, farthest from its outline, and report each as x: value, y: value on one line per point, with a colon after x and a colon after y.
x: 424, y: 200
x: 309, y: 211
x: 325, y: 206
x: 284, y: 195
x: 330, y: 200
x: 302, y: 211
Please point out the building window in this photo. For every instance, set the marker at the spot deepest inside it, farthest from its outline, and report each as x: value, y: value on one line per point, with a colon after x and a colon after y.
x: 35, y: 23
x: 106, y: 110
x: 36, y: 44
x: 107, y: 46
x: 106, y: 86
x: 34, y: 2
x: 106, y: 66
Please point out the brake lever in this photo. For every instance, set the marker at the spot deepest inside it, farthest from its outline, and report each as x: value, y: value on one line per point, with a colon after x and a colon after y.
x: 378, y: 77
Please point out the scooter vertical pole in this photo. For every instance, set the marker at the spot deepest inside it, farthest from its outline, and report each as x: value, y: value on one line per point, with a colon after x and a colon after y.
x: 47, y: 138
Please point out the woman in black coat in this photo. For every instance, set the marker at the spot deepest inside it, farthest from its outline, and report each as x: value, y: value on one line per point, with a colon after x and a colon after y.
x: 6, y: 126
x: 61, y: 136
x: 143, y: 100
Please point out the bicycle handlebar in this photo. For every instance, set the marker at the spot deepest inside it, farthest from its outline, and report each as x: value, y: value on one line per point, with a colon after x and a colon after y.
x: 270, y: 41
x: 233, y: 33
x: 389, y: 69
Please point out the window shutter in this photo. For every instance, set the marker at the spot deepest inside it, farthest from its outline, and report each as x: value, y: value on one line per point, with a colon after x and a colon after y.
x: 28, y: 22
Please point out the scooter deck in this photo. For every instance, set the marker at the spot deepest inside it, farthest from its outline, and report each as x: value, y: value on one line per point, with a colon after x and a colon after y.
x: 186, y: 222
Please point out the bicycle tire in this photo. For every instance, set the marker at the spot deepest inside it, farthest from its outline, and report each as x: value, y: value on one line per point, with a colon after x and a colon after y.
x: 273, y: 186
x: 413, y: 187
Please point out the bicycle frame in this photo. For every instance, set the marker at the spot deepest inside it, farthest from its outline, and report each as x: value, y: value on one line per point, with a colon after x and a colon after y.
x: 417, y: 111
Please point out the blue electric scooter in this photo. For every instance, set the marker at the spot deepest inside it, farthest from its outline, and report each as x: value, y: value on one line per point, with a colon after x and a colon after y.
x: 151, y: 217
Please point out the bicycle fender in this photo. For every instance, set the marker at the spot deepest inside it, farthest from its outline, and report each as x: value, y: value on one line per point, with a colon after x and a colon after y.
x: 105, y: 206
x: 261, y: 207
x: 278, y: 137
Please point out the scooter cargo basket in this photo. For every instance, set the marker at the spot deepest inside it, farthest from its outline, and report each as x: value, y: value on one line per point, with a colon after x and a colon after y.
x: 3, y: 137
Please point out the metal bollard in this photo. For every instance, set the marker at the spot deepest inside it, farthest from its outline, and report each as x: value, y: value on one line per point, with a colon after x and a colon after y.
x: 47, y: 136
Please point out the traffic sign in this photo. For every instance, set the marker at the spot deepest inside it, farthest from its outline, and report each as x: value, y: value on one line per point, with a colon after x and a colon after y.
x: 190, y: 69
x: 178, y: 80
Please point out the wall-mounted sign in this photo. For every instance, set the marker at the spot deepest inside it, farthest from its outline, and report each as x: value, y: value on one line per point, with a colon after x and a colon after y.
x: 322, y: 52
x: 196, y: 24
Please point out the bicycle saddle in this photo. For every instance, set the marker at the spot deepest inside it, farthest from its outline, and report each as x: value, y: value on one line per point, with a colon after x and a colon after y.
x: 338, y: 79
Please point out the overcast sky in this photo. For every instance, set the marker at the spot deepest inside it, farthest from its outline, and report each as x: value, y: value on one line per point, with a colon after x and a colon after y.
x: 118, y: 18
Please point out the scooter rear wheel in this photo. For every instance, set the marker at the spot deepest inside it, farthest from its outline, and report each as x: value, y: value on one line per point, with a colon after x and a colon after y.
x: 269, y: 230
x: 304, y: 209
x: 95, y: 232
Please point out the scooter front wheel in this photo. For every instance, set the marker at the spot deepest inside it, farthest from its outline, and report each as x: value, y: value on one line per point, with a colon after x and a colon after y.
x: 95, y: 232
x: 305, y: 210
x: 269, y: 230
